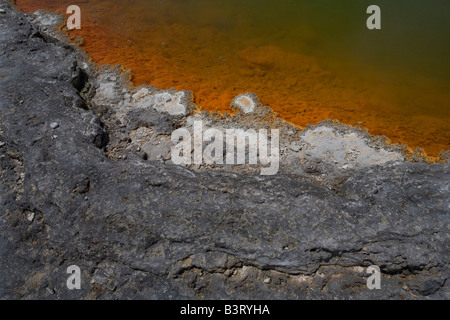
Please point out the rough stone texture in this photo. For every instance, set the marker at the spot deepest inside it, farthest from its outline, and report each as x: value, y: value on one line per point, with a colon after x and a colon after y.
x: 148, y: 230
x: 347, y: 150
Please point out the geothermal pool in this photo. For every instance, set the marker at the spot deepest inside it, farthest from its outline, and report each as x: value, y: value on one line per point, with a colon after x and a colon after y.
x: 308, y: 60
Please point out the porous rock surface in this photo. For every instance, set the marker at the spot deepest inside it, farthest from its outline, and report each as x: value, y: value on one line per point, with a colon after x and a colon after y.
x: 146, y: 229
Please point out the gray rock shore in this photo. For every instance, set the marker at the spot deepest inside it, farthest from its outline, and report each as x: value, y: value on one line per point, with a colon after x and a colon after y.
x: 74, y: 192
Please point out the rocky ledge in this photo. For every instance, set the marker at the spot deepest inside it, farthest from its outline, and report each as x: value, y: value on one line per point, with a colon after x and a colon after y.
x: 79, y: 187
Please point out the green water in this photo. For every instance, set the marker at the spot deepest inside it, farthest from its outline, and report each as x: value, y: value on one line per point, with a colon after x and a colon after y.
x: 415, y: 34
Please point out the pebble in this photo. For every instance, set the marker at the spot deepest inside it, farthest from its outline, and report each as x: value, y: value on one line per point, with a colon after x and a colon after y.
x: 30, y: 216
x: 2, y: 143
x: 267, y: 280
x: 2, y: 11
x: 54, y: 125
x: 50, y: 290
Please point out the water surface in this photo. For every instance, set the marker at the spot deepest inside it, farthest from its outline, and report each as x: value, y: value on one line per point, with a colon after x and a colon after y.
x: 308, y: 60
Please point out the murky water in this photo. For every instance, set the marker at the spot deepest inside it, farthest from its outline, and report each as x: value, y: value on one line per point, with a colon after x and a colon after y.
x: 307, y: 59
